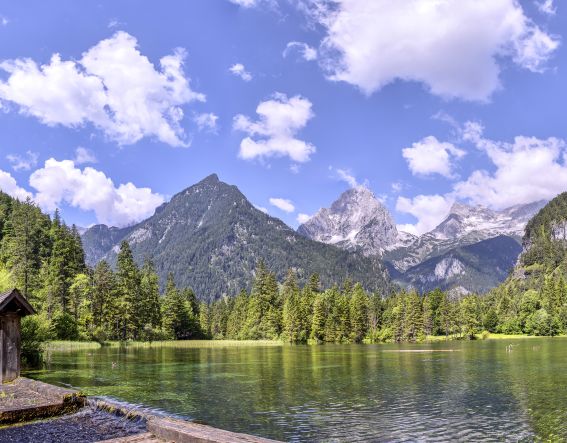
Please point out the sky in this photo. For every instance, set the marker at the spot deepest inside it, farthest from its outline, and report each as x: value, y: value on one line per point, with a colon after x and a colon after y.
x: 109, y: 108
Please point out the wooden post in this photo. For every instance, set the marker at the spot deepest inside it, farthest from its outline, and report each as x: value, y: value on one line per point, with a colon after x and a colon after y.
x: 10, y: 347
x: 13, y: 306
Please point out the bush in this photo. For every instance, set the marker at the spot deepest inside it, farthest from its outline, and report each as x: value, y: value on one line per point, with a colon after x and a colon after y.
x: 35, y: 330
x: 541, y: 323
x: 65, y: 327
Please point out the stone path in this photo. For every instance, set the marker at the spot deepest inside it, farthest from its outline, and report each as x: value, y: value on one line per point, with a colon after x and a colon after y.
x: 24, y: 400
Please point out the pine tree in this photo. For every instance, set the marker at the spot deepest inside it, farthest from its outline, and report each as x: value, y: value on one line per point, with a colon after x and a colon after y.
x: 234, y: 327
x: 413, y: 329
x: 293, y: 324
x: 128, y: 281
x: 358, y: 313
x: 175, y: 311
x: 320, y: 314
x: 104, y: 306
x: 150, y: 309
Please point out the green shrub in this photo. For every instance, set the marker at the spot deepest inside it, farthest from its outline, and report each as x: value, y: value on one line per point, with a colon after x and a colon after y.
x: 65, y: 327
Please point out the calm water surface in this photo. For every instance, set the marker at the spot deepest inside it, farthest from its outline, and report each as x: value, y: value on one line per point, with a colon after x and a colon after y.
x: 478, y: 391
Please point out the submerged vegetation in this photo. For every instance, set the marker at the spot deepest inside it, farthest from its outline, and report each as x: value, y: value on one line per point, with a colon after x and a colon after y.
x: 45, y: 258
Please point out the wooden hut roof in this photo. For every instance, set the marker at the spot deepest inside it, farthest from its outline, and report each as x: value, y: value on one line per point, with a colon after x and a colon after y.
x: 14, y: 297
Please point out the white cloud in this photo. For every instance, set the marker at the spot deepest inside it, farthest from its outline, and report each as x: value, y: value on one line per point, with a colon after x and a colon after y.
x: 84, y: 155
x: 91, y: 190
x: 283, y: 204
x: 397, y: 187
x: 246, y: 3
x: 280, y: 119
x: 206, y: 121
x: 113, y: 86
x: 4, y: 21
x: 9, y: 185
x: 115, y: 23
x: 526, y: 170
x: 454, y: 47
x: 346, y: 176
x: 23, y: 162
x: 429, y: 210
x: 308, y: 53
x: 546, y: 7
x: 239, y: 70
x: 261, y: 208
x: 430, y: 156
x: 303, y: 218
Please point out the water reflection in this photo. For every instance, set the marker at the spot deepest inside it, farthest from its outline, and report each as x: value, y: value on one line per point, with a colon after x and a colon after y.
x: 341, y: 392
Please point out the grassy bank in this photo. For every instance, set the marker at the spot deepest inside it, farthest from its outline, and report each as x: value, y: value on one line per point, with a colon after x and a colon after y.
x: 85, y: 345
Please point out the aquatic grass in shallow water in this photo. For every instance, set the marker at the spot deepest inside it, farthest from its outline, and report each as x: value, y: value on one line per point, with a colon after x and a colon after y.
x: 85, y: 345
x: 69, y: 345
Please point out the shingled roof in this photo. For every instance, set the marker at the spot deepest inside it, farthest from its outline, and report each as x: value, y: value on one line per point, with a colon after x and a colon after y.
x: 14, y: 297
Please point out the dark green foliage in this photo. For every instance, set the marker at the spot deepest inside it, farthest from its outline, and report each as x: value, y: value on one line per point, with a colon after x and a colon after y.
x: 211, y: 238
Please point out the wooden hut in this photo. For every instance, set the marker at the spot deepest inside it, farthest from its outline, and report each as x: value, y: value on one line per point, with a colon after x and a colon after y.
x: 13, y: 306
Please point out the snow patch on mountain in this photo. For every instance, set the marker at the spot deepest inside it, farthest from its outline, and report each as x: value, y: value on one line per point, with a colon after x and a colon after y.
x: 356, y: 221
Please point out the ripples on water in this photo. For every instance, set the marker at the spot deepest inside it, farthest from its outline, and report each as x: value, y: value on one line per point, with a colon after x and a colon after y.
x: 342, y: 392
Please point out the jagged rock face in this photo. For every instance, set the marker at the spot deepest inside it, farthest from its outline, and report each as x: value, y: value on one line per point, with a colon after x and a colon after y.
x: 356, y: 221
x: 463, y: 220
x: 473, y: 268
x: 464, y: 225
x: 210, y: 237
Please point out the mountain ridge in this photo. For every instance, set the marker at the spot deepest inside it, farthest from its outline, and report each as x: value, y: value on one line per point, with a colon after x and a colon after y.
x: 211, y: 238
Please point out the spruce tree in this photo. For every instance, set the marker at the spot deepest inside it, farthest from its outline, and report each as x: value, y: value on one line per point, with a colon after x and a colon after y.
x: 128, y: 281
x: 358, y: 313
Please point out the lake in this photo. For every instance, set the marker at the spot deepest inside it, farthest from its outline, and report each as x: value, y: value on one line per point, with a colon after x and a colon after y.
x: 458, y: 391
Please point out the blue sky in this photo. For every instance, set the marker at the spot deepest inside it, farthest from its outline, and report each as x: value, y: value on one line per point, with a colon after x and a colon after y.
x: 108, y: 108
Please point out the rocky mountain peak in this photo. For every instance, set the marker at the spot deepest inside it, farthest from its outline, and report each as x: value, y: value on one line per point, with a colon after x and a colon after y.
x: 357, y: 220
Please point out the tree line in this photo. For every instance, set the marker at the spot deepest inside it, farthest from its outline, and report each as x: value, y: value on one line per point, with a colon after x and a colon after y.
x: 44, y: 257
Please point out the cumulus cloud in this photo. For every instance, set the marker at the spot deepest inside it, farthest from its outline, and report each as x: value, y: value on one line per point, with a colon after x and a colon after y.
x: 429, y: 210
x: 525, y: 170
x: 84, y: 155
x: 430, y: 156
x: 206, y: 121
x: 113, y: 86
x: 261, y: 209
x: 274, y: 133
x: 9, y: 185
x: 455, y: 48
x: 23, y: 162
x: 303, y: 218
x: 91, y: 190
x: 308, y: 53
x: 283, y: 204
x: 239, y: 70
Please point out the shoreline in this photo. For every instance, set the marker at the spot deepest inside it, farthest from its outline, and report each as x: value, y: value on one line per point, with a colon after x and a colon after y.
x: 63, y: 345
x: 38, y: 409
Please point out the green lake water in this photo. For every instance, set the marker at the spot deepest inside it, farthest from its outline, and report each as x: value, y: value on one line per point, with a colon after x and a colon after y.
x: 477, y: 391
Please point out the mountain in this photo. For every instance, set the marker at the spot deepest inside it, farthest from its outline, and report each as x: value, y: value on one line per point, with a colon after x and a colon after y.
x: 211, y: 238
x: 464, y: 225
x: 473, y: 268
x: 542, y: 265
x: 100, y: 239
x: 471, y: 250
x: 357, y: 221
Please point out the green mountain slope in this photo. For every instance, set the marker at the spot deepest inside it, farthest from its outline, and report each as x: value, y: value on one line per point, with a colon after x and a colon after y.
x: 211, y: 238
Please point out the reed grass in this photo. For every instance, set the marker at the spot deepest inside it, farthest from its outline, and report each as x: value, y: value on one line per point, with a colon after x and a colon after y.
x: 59, y: 345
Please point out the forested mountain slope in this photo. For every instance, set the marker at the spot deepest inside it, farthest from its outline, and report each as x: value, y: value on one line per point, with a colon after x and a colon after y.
x: 211, y: 238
